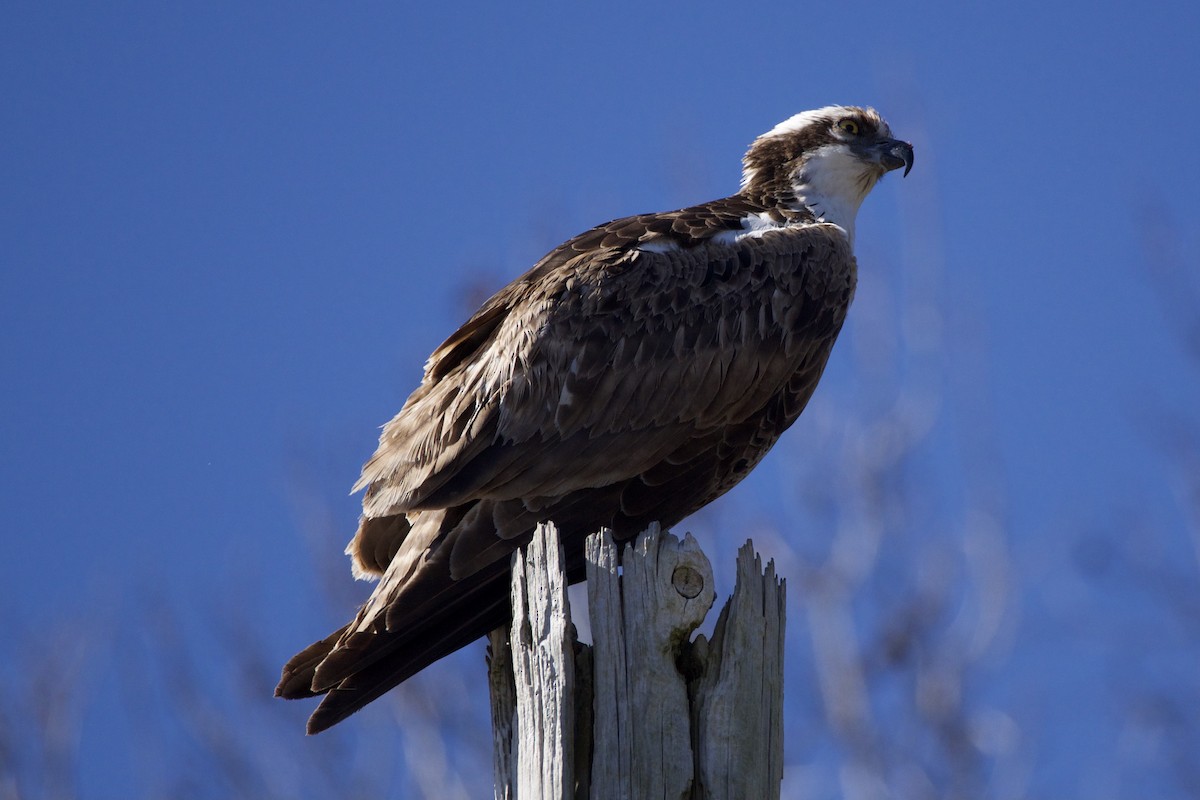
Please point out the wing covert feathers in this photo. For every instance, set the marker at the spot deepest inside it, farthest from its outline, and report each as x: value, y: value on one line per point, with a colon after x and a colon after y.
x: 609, y: 385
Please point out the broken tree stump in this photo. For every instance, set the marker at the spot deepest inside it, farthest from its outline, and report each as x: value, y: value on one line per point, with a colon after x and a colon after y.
x: 644, y: 711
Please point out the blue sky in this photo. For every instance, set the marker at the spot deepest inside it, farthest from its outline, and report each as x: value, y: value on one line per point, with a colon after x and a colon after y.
x: 230, y: 234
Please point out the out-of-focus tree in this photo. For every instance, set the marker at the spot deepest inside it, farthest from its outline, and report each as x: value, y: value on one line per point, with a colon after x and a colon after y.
x: 907, y: 599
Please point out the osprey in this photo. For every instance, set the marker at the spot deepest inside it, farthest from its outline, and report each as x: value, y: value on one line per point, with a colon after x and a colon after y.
x: 633, y: 375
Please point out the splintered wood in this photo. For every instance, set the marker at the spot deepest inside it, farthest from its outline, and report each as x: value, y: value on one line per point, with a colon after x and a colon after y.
x: 669, y: 717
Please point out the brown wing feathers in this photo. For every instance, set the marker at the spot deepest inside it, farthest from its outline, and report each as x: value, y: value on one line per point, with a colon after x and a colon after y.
x: 607, y: 386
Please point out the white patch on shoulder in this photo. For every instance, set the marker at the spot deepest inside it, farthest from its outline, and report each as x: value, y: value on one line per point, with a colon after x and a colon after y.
x: 659, y: 245
x: 753, y: 226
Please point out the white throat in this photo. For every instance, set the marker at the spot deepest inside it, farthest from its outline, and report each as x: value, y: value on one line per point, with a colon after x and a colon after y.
x: 832, y: 183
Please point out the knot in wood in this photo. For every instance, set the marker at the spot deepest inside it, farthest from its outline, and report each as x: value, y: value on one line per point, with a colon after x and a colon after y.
x: 687, y: 581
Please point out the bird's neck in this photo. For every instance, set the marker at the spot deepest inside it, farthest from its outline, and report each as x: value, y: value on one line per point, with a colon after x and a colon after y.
x: 832, y: 184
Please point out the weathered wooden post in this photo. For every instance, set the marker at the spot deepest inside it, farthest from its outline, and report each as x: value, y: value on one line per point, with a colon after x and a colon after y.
x: 643, y: 712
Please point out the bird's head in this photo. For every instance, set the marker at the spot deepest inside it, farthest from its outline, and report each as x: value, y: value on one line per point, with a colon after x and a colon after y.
x: 825, y: 160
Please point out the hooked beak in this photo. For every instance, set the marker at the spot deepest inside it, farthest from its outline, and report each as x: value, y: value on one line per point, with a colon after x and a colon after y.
x: 894, y: 154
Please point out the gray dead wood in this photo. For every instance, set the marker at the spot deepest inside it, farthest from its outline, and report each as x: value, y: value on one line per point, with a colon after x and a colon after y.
x: 640, y: 620
x: 652, y: 734
x: 503, y: 692
x: 540, y: 761
x: 738, y: 708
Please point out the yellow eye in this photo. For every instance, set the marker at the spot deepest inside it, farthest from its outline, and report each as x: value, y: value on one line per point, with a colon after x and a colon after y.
x: 848, y: 126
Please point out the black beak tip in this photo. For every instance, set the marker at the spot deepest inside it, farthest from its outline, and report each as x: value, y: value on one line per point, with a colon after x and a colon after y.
x: 904, y: 151
x: 896, y: 155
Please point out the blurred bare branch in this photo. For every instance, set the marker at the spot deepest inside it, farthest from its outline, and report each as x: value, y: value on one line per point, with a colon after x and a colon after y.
x: 43, y: 705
